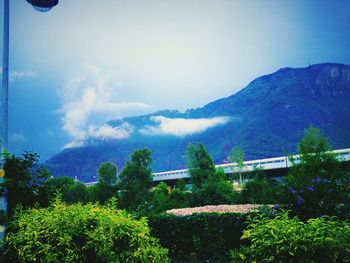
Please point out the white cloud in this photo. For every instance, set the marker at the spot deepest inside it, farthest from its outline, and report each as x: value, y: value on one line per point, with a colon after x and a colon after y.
x: 22, y: 74
x: 104, y: 132
x: 14, y: 74
x: 17, y: 137
x: 108, y: 132
x: 89, y: 98
x: 73, y: 144
x: 181, y: 126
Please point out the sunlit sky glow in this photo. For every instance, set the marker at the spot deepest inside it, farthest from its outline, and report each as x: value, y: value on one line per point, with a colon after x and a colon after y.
x: 86, y: 62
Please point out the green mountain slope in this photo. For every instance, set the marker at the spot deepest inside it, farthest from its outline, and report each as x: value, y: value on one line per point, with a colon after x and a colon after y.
x: 266, y: 119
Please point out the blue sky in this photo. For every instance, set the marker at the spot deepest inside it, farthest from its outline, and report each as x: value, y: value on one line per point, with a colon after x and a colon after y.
x: 86, y: 62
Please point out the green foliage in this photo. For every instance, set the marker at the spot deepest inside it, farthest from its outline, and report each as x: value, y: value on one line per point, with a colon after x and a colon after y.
x: 135, y: 180
x: 209, y: 186
x: 315, y: 159
x: 164, y: 198
x: 209, y: 235
x: 260, y: 190
x: 215, y: 190
x: 76, y: 193
x: 180, y: 196
x: 54, y: 186
x: 22, y: 182
x: 282, y: 239
x: 3, y: 217
x: 107, y: 174
x: 200, y: 164
x: 237, y: 156
x: 160, y: 201
x: 315, y: 184
x: 81, y: 233
x: 106, y: 186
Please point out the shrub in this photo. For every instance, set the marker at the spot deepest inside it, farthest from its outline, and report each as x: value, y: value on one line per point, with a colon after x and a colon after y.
x: 209, y: 235
x: 284, y: 239
x: 81, y: 233
x: 316, y: 185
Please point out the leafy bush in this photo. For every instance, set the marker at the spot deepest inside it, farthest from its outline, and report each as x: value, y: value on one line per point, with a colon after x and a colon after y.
x: 284, y: 239
x: 209, y: 235
x: 81, y: 233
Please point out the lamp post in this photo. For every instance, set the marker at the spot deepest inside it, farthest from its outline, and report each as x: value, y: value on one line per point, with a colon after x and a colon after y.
x: 39, y: 5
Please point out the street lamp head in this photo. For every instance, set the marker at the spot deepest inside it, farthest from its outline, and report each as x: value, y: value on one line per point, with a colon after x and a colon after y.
x: 43, y: 5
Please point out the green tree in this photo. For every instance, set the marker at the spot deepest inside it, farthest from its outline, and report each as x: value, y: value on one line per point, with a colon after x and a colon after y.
x: 135, y: 180
x: 200, y: 164
x: 315, y: 184
x: 180, y: 196
x: 54, y: 186
x: 106, y: 186
x: 237, y: 156
x: 315, y: 158
x: 209, y: 186
x: 22, y: 181
x: 214, y: 191
x: 261, y: 190
x: 76, y: 193
x: 107, y: 173
x: 160, y: 201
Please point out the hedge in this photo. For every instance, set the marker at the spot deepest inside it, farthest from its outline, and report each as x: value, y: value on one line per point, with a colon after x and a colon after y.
x: 209, y: 235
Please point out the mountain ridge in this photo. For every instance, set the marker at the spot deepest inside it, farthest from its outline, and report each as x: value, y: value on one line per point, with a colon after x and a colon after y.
x: 266, y: 119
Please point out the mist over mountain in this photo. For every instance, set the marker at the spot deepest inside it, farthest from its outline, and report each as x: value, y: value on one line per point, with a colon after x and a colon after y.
x: 266, y: 118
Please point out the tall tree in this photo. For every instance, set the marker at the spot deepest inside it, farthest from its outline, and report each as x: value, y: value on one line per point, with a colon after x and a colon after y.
x: 315, y: 159
x: 106, y: 186
x: 107, y: 173
x: 209, y: 186
x: 135, y: 180
x: 237, y: 156
x: 200, y: 164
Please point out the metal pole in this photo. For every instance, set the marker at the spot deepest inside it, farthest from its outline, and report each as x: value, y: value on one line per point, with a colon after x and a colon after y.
x: 4, y: 101
x: 5, y: 79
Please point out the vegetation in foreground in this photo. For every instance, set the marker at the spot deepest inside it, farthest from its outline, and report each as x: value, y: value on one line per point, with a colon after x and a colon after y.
x: 284, y: 239
x: 316, y: 191
x: 81, y: 233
